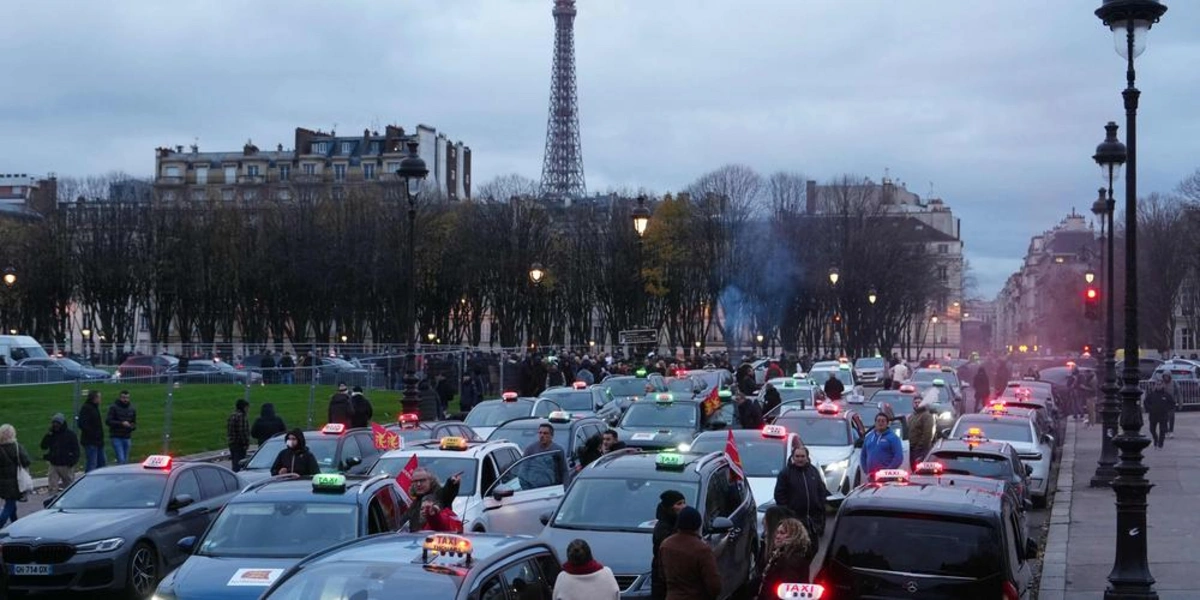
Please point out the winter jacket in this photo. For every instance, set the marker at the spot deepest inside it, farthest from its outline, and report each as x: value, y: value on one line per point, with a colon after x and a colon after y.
x: 981, y: 385
x: 787, y: 564
x: 591, y: 582
x: 298, y: 460
x: 1158, y: 403
x: 920, y: 429
x: 664, y: 528
x: 750, y: 415
x: 802, y: 490
x: 91, y: 427
x: 443, y: 495
x: 361, y: 410
x: 267, y: 425
x: 11, y: 456
x: 771, y: 399
x: 881, y: 451
x: 834, y: 388
x: 62, y: 447
x: 117, y: 412
x: 237, y: 430
x: 444, y: 521
x: 689, y: 567
x: 340, y: 409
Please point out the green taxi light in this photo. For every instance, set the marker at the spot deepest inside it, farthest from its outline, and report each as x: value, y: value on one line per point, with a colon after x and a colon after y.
x: 724, y: 394
x: 329, y: 482
x: 939, y: 382
x: 669, y: 460
x: 641, y: 372
x: 844, y: 366
x: 789, y: 383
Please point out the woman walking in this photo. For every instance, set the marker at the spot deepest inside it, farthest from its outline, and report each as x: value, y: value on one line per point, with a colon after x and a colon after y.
x: 12, y: 457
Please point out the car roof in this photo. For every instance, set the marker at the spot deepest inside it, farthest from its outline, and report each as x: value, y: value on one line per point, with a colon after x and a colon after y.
x: 988, y: 447
x: 176, y: 466
x: 631, y: 462
x: 297, y: 489
x: 533, y: 422
x: 922, y: 498
x: 430, y: 448
x: 985, y: 418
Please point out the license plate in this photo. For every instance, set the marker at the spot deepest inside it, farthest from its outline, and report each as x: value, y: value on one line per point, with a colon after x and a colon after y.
x: 30, y: 569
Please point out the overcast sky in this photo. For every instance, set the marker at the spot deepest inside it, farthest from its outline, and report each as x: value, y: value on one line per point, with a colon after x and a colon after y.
x: 996, y: 106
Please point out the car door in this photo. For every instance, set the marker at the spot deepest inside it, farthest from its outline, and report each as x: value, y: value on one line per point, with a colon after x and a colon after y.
x: 729, y: 500
x: 367, y: 453
x: 525, y: 576
x: 177, y: 524
x: 532, y: 486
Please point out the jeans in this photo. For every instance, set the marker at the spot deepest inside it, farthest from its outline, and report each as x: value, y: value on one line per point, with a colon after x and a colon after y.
x: 121, y: 449
x: 289, y: 377
x: 95, y: 458
x: 1158, y: 429
x: 236, y: 455
x: 9, y: 513
x: 1171, y: 422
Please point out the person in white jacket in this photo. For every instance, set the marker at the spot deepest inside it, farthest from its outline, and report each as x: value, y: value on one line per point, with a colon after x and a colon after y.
x: 583, y: 578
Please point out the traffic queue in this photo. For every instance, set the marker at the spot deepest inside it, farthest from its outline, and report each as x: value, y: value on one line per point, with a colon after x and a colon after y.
x: 638, y: 486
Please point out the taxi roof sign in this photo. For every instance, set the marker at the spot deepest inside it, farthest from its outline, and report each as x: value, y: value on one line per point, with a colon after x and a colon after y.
x: 329, y: 483
x: 335, y: 428
x: 774, y: 431
x: 408, y: 420
x: 669, y: 461
x: 724, y: 394
x: 447, y: 544
x: 579, y: 385
x: 828, y: 408
x: 641, y: 372
x: 664, y: 397
x: 509, y: 396
x: 157, y: 461
x: 453, y: 443
x: 844, y: 366
x: 800, y: 591
x: 559, y: 416
x: 908, y: 388
x: 996, y: 408
x: 939, y: 382
x: 891, y: 475
x: 930, y: 468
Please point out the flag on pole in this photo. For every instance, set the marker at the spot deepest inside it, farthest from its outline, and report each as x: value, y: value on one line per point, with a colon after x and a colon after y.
x: 712, y: 403
x: 404, y: 479
x: 735, y: 460
x: 384, y: 439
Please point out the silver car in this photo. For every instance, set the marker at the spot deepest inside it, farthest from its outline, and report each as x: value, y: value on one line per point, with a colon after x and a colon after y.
x: 1019, y: 430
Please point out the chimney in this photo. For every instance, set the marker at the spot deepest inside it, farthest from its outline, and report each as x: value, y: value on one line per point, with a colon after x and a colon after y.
x: 303, y: 137
x: 179, y: 149
x: 249, y: 149
x: 279, y: 147
x: 810, y: 197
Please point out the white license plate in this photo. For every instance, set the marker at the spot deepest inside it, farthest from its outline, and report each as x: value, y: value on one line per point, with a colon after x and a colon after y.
x: 30, y: 569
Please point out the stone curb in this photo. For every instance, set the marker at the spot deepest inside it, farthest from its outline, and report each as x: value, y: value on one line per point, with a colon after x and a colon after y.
x: 40, y: 484
x: 1053, y: 582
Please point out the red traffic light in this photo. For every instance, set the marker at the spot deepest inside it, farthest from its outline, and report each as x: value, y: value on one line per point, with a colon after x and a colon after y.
x: 1092, y: 293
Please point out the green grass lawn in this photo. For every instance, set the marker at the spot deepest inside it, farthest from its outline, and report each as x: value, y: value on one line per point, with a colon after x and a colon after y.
x: 198, y: 412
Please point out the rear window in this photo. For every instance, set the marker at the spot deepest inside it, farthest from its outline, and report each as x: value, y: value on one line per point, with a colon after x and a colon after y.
x: 1003, y: 431
x: 884, y: 541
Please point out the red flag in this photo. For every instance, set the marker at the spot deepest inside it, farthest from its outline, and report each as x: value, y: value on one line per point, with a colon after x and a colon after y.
x: 384, y: 439
x: 713, y: 402
x: 404, y: 478
x: 735, y: 460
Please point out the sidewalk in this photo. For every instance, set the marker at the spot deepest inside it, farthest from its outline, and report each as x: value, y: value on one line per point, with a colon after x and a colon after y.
x: 1081, y: 543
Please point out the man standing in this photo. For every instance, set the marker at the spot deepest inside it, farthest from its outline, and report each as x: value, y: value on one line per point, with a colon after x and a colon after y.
x: 920, y: 433
x: 688, y: 564
x: 121, y: 421
x: 899, y: 373
x: 340, y: 409
x: 287, y: 367
x: 545, y: 443
x: 91, y: 431
x: 982, y: 386
x: 445, y: 392
x: 62, y: 452
x: 881, y: 448
x: 801, y: 489
x: 749, y: 413
x: 237, y: 430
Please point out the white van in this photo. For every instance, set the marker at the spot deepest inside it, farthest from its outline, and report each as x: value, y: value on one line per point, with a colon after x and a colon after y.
x: 17, y: 347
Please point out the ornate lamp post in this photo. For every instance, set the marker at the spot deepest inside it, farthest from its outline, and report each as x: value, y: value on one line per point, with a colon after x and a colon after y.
x: 872, y: 296
x: 412, y: 171
x: 1130, y: 20
x: 834, y: 275
x: 641, y: 221
x: 536, y: 273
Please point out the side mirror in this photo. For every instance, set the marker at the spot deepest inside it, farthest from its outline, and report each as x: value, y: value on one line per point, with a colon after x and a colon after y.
x: 545, y: 517
x: 945, y: 433
x: 187, y: 544
x: 352, y: 462
x: 1028, y: 470
x: 501, y: 494
x: 721, y: 525
x: 1047, y: 438
x: 1030, y: 549
x: 48, y: 501
x: 242, y: 464
x: 858, y: 443
x: 180, y: 501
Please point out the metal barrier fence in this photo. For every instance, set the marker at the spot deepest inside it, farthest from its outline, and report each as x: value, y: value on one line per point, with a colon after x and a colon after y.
x: 1187, y: 392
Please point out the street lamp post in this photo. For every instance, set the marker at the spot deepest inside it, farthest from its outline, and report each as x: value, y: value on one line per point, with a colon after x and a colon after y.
x: 1110, y: 155
x: 1130, y: 576
x: 641, y: 222
x: 536, y: 273
x: 412, y: 171
x: 10, y: 277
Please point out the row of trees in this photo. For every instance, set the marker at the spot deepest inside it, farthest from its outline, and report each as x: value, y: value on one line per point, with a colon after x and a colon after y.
x: 734, y: 252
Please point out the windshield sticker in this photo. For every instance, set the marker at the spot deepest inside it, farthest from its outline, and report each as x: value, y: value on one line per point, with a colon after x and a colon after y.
x: 255, y: 577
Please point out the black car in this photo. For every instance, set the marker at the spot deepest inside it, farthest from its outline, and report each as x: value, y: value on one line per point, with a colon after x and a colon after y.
x: 115, y: 528
x: 63, y: 369
x: 412, y: 429
x: 612, y: 504
x: 579, y: 399
x: 212, y: 371
x: 914, y: 540
x: 337, y: 450
x: 627, y: 389
x: 664, y: 423
x: 993, y: 460
x: 424, y: 565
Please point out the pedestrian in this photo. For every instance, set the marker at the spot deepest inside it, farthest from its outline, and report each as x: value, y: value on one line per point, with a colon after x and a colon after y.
x: 267, y: 364
x: 772, y: 399
x: 121, y: 421
x: 445, y: 392
x: 749, y: 413
x: 789, y: 559
x: 881, y: 448
x: 62, y: 452
x: 584, y: 578
x: 1159, y: 405
x: 671, y: 502
x: 982, y: 387
x: 899, y: 372
x: 429, y: 496
x: 545, y: 443
x: 920, y: 433
x: 610, y: 442
x: 287, y: 368
x: 1000, y: 378
x: 430, y: 405
x: 1172, y: 389
x: 340, y: 409
x: 688, y: 564
x: 468, y: 394
x: 360, y: 408
x: 800, y: 487
x: 91, y: 432
x: 13, y: 458
x: 237, y: 433
x: 834, y: 387
x: 267, y: 425
x: 295, y: 457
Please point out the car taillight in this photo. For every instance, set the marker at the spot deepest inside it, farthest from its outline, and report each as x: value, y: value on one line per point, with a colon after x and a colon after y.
x: 1010, y: 591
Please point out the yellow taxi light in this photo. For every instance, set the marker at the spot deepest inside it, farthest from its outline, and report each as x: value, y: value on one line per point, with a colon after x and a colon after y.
x: 774, y: 431
x: 334, y: 428
x: 448, y: 543
x: 157, y: 461
x: 453, y: 443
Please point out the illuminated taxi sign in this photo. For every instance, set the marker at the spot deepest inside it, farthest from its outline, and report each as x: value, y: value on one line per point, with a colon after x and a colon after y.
x: 560, y: 416
x: 509, y: 396
x: 453, y: 443
x: 828, y: 408
x: 843, y: 360
x: 664, y: 397
x: 446, y: 544
x: 947, y: 370
x: 789, y: 383
x: 939, y: 383
x: 157, y: 461
x: 579, y: 385
x: 409, y: 420
x: 930, y: 468
x: 974, y: 437
x: 669, y: 461
x: 908, y: 388
x: 725, y: 394
x: 799, y: 591
x: 774, y: 431
x: 997, y: 408
x: 334, y: 428
x: 935, y: 366
x: 641, y: 372
x: 329, y: 483
x: 844, y: 366
x: 891, y: 476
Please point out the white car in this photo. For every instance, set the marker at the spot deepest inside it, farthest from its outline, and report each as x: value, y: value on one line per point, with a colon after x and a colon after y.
x: 486, y: 416
x: 831, y: 435
x: 1020, y: 431
x: 500, y: 491
x: 853, y: 393
x: 871, y: 370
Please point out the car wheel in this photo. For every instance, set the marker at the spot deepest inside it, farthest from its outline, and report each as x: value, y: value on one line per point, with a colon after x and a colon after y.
x: 143, y: 571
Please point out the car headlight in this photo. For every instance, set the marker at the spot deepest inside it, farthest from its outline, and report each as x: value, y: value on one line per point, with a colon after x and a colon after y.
x: 684, y: 447
x: 840, y: 465
x: 107, y: 545
x: 946, y: 416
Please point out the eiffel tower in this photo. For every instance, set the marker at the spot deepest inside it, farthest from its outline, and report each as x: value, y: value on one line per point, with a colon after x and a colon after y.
x: 562, y: 166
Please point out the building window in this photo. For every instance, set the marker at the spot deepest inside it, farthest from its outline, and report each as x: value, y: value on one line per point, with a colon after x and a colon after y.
x: 230, y: 174
x: 227, y: 195
x: 368, y: 171
x: 171, y: 172
x: 285, y: 171
x: 250, y: 194
x: 197, y: 195
x: 943, y: 273
x: 1187, y: 339
x: 252, y: 170
x: 339, y: 194
x: 320, y: 147
x: 201, y: 175
x: 943, y: 248
x: 310, y: 169
x: 374, y: 148
x: 169, y: 195
x: 339, y: 172
x: 347, y: 147
x: 392, y: 167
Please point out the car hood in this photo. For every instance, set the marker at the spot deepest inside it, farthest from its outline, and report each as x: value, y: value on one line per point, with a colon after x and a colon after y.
x: 212, y: 578
x: 484, y: 432
x: 655, y: 437
x: 249, y: 476
x: 626, y: 553
x: 78, y: 526
x: 823, y: 455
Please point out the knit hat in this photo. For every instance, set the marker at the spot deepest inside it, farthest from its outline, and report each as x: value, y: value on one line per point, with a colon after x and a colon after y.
x: 58, y: 418
x: 689, y: 520
x: 670, y: 497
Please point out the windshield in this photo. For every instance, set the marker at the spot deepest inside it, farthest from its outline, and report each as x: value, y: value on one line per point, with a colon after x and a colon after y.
x: 761, y: 457
x: 632, y: 386
x: 871, y: 540
x: 928, y: 375
x: 493, y: 413
x: 843, y: 375
x: 589, y: 503
x: 571, y: 400
x: 1004, y: 431
x: 980, y: 465
x: 525, y: 433
x: 23, y: 352
x: 114, y: 490
x: 279, y: 529
x: 869, y: 363
x: 816, y: 430
x: 682, y: 386
x: 712, y: 378
x: 366, y: 580
x: 68, y: 364
x: 323, y: 448
x: 441, y: 466
x: 902, y: 404
x: 667, y: 414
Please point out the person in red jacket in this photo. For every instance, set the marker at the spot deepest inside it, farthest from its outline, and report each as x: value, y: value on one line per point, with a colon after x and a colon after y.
x: 439, y: 518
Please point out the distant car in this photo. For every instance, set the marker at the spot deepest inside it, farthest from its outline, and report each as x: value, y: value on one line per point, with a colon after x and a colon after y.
x: 663, y: 423
x: 870, y: 371
x: 412, y: 429
x: 1146, y: 367
x: 64, y: 369
x: 688, y: 386
x: 212, y: 371
x: 853, y: 393
x: 486, y: 416
x: 337, y: 450
x: 1019, y: 431
x: 579, y: 398
x: 570, y: 433
x: 833, y: 437
x: 627, y: 389
x: 145, y: 366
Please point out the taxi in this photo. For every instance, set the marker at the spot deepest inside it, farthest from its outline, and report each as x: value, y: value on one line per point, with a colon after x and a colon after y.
x: 688, y: 387
x: 662, y: 423
x: 794, y: 389
x: 489, y: 414
x: 944, y: 408
x: 579, y: 398
x: 971, y: 543
x: 572, y: 432
x: 115, y: 528
x: 947, y: 375
x: 500, y: 491
x: 337, y: 449
x: 273, y: 524
x: 627, y: 389
x: 902, y: 401
x: 412, y: 429
x: 854, y: 393
x: 1019, y: 430
x: 976, y: 455
x: 833, y: 436
x: 424, y: 565
x: 612, y: 505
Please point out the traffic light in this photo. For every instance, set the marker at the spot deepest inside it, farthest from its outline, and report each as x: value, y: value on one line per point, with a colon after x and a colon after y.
x: 1091, y: 303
